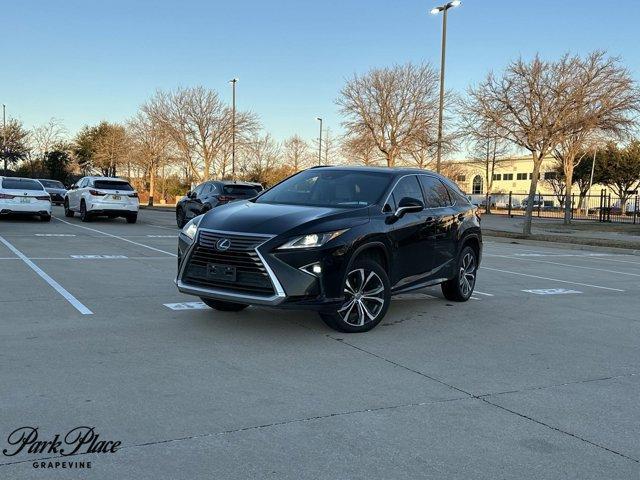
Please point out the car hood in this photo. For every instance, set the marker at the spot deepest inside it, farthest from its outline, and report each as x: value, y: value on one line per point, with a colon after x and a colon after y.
x: 274, y: 219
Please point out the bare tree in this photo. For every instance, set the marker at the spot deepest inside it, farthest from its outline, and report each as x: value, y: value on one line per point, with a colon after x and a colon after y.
x: 360, y: 150
x: 605, y: 99
x: 44, y: 137
x: 391, y: 106
x: 296, y: 153
x: 529, y: 107
x: 111, y: 148
x: 199, y: 124
x: 150, y: 144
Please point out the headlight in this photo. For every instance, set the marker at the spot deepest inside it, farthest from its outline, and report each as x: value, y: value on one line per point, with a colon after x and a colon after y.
x: 312, y: 240
x: 191, y: 228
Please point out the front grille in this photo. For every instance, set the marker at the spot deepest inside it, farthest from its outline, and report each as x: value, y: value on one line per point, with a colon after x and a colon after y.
x: 251, y: 274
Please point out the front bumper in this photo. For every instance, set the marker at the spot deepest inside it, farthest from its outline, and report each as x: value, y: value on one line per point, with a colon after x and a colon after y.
x: 291, y: 287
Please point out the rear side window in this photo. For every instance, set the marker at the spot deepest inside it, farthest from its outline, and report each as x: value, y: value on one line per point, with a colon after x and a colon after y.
x: 21, y: 184
x: 112, y: 185
x: 435, y: 193
x: 245, y: 190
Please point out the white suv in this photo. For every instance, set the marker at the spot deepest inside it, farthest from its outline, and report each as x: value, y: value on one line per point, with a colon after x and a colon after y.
x: 106, y: 196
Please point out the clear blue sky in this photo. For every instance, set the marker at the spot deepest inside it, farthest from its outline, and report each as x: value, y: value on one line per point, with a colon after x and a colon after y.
x: 85, y: 61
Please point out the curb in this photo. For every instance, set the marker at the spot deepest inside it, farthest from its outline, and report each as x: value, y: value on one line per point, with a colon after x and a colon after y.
x: 569, y: 242
x: 166, y: 208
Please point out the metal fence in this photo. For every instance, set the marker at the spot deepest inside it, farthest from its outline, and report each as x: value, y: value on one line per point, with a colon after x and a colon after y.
x: 604, y: 207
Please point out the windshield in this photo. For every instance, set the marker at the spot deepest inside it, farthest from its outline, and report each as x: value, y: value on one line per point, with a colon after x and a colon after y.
x: 112, y: 185
x: 51, y: 183
x: 329, y: 188
x: 20, y: 184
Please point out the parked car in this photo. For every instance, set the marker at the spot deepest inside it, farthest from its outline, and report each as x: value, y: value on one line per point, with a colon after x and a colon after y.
x: 337, y: 240
x: 102, y: 196
x: 24, y: 196
x: 210, y: 194
x: 55, y: 189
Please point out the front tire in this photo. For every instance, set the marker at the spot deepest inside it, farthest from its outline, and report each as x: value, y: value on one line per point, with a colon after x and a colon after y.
x: 224, y: 306
x: 460, y: 288
x: 67, y: 211
x: 367, y: 294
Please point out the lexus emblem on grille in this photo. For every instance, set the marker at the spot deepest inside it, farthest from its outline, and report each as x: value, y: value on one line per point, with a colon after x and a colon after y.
x: 223, y: 244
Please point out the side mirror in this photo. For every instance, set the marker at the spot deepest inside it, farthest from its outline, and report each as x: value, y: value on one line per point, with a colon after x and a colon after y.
x: 73, y: 187
x: 408, y: 204
x: 188, y: 194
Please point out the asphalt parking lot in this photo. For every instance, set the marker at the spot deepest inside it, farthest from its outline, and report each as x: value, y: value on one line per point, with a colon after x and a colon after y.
x: 537, y: 376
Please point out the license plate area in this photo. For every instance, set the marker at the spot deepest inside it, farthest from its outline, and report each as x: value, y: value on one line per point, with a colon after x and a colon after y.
x: 223, y: 273
x: 25, y: 200
x: 116, y: 197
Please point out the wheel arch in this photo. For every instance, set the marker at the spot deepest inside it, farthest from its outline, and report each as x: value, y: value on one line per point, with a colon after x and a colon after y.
x: 376, y: 250
x: 472, y: 240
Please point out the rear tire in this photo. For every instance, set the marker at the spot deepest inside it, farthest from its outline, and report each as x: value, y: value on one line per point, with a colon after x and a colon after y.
x: 224, y: 306
x: 180, y: 218
x: 132, y: 218
x: 367, y: 296
x: 84, y: 215
x: 460, y: 288
x: 45, y: 218
x: 67, y: 211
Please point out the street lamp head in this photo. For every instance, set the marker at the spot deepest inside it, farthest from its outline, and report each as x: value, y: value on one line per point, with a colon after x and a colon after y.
x: 233, y: 80
x: 318, y: 118
x: 455, y: 3
x: 435, y: 11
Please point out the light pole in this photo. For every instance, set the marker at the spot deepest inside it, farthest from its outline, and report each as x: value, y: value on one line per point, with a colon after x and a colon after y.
x: 320, y: 142
x: 233, y: 128
x: 444, y: 9
x: 4, y: 137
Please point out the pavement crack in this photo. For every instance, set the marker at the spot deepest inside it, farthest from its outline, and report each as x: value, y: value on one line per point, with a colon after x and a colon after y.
x: 250, y: 428
x: 578, y: 437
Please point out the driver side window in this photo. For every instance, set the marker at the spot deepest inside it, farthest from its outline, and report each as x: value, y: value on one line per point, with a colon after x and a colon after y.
x: 407, y: 187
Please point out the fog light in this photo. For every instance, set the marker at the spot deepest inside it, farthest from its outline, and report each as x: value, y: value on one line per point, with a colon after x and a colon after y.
x: 312, y: 269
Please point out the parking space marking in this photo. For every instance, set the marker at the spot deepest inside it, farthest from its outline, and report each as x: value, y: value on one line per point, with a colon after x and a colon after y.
x: 552, y: 279
x: 55, y: 285
x: 551, y: 291
x: 566, y: 265
x: 482, y: 293
x: 187, y: 306
x: 55, y: 235
x: 116, y: 236
x: 162, y: 236
x: 96, y: 257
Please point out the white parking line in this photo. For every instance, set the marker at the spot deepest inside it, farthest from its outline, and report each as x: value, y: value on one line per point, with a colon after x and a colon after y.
x: 482, y: 293
x: 90, y: 257
x: 552, y: 279
x: 566, y: 265
x: 55, y: 285
x: 187, y: 306
x: 116, y: 236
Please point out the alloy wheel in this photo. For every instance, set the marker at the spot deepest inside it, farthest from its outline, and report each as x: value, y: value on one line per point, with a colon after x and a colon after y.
x: 364, y: 291
x: 467, y: 274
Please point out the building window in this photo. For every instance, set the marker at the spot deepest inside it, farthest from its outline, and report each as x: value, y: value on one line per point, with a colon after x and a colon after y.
x: 461, y: 178
x: 550, y: 175
x: 477, y: 185
x: 507, y: 176
x: 497, y: 176
x: 521, y: 176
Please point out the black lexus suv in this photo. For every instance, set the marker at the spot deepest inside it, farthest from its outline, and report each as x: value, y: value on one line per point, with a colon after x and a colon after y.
x: 211, y: 194
x: 338, y: 240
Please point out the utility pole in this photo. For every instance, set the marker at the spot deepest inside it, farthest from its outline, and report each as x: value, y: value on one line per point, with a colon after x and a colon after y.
x: 444, y: 9
x: 320, y: 142
x: 233, y: 128
x: 4, y: 136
